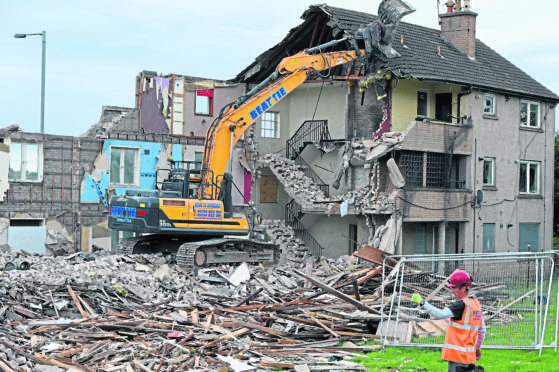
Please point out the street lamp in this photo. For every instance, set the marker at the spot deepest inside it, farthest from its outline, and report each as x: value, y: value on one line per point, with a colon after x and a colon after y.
x: 44, y: 34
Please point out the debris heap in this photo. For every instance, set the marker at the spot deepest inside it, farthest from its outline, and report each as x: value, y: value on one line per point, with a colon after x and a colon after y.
x: 88, y: 312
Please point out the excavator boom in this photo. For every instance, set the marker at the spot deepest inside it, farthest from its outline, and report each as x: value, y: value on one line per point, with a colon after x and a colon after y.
x: 292, y: 72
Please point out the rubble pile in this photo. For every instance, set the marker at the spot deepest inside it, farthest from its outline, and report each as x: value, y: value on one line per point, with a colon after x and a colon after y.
x: 367, y: 200
x: 140, y: 312
x: 300, y: 187
x: 292, y: 248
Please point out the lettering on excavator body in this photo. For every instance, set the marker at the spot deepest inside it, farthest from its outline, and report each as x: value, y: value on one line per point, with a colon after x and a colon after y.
x: 267, y: 103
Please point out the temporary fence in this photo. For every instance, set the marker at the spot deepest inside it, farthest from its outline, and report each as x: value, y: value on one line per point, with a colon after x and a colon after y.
x: 518, y: 293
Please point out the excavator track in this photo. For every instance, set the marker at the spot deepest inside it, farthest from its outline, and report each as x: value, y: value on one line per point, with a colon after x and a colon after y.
x: 194, y: 255
x: 126, y: 246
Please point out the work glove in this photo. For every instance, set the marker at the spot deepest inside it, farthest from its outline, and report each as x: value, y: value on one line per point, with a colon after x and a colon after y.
x: 478, y: 353
x: 416, y: 298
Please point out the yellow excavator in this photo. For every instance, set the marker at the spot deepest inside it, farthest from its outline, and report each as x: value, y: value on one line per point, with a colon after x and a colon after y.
x: 190, y: 213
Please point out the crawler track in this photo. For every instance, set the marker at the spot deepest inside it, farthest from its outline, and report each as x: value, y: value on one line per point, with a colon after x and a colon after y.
x: 192, y: 255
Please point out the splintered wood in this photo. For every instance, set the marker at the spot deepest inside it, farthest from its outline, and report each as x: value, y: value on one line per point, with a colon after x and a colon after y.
x: 141, y: 313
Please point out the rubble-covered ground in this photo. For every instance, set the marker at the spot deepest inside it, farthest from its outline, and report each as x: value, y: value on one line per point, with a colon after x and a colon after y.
x: 105, y: 312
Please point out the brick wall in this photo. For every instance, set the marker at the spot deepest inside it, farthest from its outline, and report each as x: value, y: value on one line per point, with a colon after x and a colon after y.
x: 434, y: 205
x: 460, y: 29
x: 437, y: 137
x: 363, y: 119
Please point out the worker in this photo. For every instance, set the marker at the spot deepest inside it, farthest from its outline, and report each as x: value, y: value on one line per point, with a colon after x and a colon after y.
x: 466, y: 331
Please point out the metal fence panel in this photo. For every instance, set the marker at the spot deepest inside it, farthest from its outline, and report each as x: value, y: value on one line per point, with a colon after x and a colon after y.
x: 518, y: 293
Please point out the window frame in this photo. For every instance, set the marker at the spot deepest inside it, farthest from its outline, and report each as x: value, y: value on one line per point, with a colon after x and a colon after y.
x: 492, y: 162
x: 528, y: 163
x: 136, y: 150
x: 23, y: 162
x: 209, y: 105
x: 428, y: 104
x: 265, y: 130
x: 492, y: 107
x: 529, y: 105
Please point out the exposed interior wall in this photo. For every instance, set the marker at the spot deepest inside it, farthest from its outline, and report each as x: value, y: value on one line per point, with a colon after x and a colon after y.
x: 332, y: 233
x: 4, y: 169
x: 404, y: 100
x: 93, y: 190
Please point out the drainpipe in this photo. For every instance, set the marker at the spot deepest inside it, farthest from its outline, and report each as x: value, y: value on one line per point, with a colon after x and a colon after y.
x: 464, y: 93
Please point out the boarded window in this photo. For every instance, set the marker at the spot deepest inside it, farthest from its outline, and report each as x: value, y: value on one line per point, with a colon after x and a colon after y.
x: 268, y: 189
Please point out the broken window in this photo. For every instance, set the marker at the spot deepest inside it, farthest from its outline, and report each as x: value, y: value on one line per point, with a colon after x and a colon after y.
x: 124, y: 163
x: 488, y: 172
x: 268, y: 189
x: 204, y: 102
x: 489, y: 104
x: 422, y: 103
x: 270, y: 125
x: 26, y: 162
x: 529, y: 114
x: 529, y: 182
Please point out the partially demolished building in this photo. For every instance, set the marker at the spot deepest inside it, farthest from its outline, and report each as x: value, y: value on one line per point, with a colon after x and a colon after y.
x: 445, y: 148
x: 55, y: 189
x: 449, y: 150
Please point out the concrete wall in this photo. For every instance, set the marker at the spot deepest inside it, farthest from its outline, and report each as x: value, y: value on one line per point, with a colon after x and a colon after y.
x: 332, y: 233
x: 501, y: 137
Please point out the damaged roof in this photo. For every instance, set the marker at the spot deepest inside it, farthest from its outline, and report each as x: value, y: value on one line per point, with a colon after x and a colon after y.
x: 419, y: 54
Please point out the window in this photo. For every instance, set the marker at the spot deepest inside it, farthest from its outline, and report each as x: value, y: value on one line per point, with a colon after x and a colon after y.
x: 124, y: 164
x: 529, y: 114
x: 411, y: 166
x: 270, y: 125
x: 204, y: 102
x: 489, y: 172
x: 488, y: 238
x: 489, y: 104
x: 423, y: 103
x: 198, y: 160
x: 26, y: 162
x: 419, y: 238
x: 436, y: 170
x: 529, y: 177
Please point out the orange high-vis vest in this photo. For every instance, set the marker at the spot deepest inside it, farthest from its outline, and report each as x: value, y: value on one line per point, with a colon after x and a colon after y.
x: 460, y: 341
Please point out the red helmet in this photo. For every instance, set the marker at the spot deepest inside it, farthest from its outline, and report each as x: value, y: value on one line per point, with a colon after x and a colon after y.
x: 459, y: 278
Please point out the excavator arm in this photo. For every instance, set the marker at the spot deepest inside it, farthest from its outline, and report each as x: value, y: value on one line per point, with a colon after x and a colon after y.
x: 236, y: 118
x: 291, y: 72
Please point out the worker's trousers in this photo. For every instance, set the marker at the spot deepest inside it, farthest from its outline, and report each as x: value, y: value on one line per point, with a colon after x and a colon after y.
x: 459, y: 367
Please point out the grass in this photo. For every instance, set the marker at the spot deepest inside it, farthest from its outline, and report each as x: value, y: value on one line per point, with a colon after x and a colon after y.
x: 429, y: 360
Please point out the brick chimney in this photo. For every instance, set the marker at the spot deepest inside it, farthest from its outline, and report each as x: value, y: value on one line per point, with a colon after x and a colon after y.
x: 459, y: 27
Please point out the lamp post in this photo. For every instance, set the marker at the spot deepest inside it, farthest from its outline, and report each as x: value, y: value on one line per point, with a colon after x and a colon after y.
x: 44, y: 35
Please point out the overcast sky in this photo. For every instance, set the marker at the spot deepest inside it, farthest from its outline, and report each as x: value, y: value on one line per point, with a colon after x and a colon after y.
x: 95, y: 49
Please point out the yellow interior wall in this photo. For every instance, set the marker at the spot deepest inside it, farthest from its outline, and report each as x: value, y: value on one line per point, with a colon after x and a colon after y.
x: 404, y: 100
